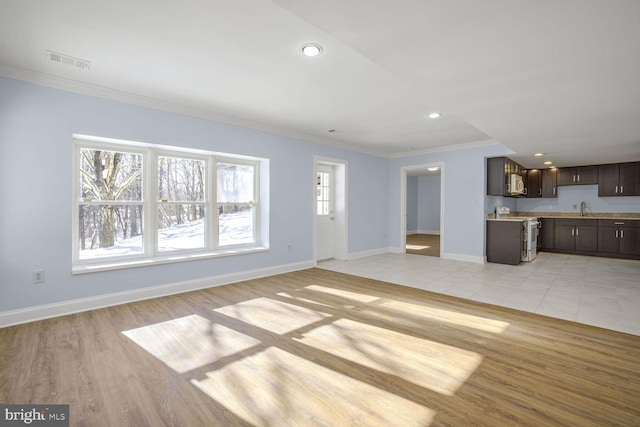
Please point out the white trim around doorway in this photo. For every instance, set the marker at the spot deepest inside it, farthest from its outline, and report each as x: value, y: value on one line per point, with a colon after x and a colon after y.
x: 341, y: 227
x: 404, y: 170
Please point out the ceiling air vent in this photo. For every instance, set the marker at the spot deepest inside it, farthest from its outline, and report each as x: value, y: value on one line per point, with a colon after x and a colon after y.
x: 68, y: 60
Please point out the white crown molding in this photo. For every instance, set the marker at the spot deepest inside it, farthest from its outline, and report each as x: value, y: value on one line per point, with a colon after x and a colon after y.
x: 168, y: 106
x: 444, y: 148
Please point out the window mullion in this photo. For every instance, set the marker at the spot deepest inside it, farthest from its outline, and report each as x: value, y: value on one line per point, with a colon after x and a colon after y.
x: 151, y: 203
x: 256, y: 203
x: 75, y: 224
x: 212, y: 195
x: 141, y: 169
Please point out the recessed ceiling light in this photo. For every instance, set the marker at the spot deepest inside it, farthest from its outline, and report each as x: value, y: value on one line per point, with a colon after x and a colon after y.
x: 539, y: 154
x: 435, y: 115
x: 548, y: 162
x: 311, y: 49
x: 433, y: 169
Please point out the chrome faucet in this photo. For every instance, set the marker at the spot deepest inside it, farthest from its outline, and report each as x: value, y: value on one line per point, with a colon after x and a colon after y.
x: 583, y: 208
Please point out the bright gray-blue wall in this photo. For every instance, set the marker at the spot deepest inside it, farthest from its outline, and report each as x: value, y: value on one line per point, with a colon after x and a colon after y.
x: 36, y: 127
x: 492, y: 202
x: 412, y: 204
x: 464, y: 198
x: 429, y: 204
x: 570, y: 196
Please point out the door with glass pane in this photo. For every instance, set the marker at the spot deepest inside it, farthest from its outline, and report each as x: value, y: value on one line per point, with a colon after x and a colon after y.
x: 324, y: 212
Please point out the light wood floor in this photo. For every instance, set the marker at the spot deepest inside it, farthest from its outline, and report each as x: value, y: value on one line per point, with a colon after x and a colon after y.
x: 319, y: 348
x: 423, y: 244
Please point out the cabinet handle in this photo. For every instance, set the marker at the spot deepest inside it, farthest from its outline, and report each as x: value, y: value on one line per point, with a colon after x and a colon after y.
x: 621, y: 189
x: 622, y: 234
x: 616, y: 189
x: 573, y: 232
x: 616, y: 234
x: 540, y: 191
x: 554, y: 191
x: 577, y: 230
x: 578, y: 178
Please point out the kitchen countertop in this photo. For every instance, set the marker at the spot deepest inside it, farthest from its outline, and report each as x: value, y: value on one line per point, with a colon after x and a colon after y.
x: 520, y: 216
x: 576, y: 215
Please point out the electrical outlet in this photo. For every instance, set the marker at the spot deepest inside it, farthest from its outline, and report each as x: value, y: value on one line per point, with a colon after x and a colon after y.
x: 38, y: 276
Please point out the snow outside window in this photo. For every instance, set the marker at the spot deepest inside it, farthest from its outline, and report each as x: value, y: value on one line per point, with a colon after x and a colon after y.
x: 137, y: 203
x: 236, y: 203
x: 182, y: 203
x: 110, y: 209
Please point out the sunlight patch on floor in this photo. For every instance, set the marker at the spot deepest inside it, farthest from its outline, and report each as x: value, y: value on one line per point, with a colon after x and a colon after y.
x: 302, y: 299
x: 189, y: 342
x: 417, y: 247
x: 447, y: 316
x: 275, y: 316
x: 432, y: 365
x: 292, y: 390
x: 353, y: 296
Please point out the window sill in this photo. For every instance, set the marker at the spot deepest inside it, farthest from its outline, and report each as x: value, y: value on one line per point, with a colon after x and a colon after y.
x: 165, y: 259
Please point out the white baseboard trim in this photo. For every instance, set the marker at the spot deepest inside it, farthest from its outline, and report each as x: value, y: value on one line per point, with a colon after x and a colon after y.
x: 31, y: 314
x: 372, y: 252
x: 436, y: 232
x: 466, y: 258
x: 429, y: 232
x: 448, y: 255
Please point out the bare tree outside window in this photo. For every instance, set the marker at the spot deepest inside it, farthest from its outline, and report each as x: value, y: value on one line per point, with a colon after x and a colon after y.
x: 142, y: 202
x: 181, y: 189
x: 111, y: 196
x: 236, y: 209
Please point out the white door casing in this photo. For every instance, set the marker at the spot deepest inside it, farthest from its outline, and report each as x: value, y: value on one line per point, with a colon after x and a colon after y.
x: 404, y: 170
x: 325, y: 212
x: 330, y: 231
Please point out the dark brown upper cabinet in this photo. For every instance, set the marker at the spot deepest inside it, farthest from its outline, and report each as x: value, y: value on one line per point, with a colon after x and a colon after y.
x: 549, y: 183
x: 619, y: 179
x: 533, y: 183
x: 582, y: 175
x: 499, y: 171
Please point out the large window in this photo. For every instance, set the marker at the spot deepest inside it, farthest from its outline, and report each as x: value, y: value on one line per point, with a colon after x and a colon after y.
x: 182, y: 203
x: 236, y: 207
x: 135, y: 202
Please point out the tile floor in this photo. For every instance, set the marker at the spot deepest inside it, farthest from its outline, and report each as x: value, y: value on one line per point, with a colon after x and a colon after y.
x: 602, y: 292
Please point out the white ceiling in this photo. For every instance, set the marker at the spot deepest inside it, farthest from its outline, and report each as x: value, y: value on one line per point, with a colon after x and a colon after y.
x: 557, y: 76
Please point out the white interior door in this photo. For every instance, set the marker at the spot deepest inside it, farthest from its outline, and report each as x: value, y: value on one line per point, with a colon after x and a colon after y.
x: 325, y: 212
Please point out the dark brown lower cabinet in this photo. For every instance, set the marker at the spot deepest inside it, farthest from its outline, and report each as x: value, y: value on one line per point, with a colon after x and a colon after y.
x: 576, y: 235
x: 597, y: 237
x: 546, y: 233
x: 619, y: 237
x: 504, y: 242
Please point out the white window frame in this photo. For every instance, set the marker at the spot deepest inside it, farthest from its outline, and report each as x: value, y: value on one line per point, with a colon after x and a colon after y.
x: 256, y: 196
x: 150, y: 203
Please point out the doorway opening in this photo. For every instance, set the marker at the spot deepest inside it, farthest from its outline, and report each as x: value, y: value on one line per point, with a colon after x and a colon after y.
x: 421, y: 210
x: 330, y: 209
x: 423, y: 244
